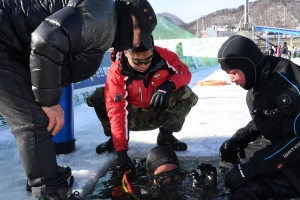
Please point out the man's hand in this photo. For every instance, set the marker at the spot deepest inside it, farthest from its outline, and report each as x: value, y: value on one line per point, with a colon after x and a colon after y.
x: 228, y: 151
x: 123, y: 162
x: 238, y: 176
x: 161, y: 96
x: 56, y: 118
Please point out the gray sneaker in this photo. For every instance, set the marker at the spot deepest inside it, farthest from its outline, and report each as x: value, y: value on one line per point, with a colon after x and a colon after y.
x: 66, y: 170
x: 64, y: 193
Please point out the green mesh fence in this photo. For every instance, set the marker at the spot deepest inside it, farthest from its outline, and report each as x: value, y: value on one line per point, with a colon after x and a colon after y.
x: 196, y: 53
x: 167, y: 30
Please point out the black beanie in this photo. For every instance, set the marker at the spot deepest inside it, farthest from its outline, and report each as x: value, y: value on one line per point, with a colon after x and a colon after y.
x: 160, y: 155
x: 239, y: 52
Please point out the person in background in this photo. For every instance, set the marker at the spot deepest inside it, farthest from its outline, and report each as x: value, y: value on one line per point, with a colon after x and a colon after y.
x: 278, y: 51
x: 285, y: 51
x: 262, y: 158
x: 274, y: 49
x: 179, y: 49
x: 145, y: 89
x: 284, y: 48
x: 293, y: 53
x: 44, y: 46
x: 271, y: 51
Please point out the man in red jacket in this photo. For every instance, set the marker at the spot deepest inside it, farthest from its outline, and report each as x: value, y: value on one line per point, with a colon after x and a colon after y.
x: 145, y: 89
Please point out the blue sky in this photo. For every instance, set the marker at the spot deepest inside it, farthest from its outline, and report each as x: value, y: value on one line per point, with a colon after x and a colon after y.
x: 190, y: 10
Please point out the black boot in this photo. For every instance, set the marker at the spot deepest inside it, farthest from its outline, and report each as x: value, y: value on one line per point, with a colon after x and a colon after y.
x: 166, y: 138
x: 63, y: 170
x: 64, y: 193
x: 89, y: 102
x: 105, y: 146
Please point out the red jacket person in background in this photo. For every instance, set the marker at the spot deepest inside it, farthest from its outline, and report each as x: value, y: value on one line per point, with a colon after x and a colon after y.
x: 145, y: 89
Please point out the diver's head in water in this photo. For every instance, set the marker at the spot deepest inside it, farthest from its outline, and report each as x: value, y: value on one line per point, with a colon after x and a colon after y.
x: 163, y: 167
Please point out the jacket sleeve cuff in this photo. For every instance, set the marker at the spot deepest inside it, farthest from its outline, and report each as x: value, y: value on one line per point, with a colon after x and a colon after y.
x: 47, y: 97
x: 121, y: 146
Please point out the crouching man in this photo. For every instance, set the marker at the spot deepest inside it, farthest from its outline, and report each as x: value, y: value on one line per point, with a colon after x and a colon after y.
x: 145, y: 89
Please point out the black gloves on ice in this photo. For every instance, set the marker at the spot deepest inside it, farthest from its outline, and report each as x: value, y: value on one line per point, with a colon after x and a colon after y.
x: 123, y: 162
x: 161, y: 96
x: 228, y: 151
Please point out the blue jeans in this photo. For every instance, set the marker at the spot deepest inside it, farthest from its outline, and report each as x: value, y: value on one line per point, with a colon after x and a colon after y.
x: 28, y: 124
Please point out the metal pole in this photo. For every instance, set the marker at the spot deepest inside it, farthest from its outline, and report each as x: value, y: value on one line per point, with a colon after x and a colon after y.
x: 267, y: 41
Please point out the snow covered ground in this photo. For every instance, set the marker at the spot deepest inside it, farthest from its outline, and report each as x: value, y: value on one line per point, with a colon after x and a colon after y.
x: 220, y: 111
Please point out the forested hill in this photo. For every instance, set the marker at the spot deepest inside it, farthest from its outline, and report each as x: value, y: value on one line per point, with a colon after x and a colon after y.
x: 273, y: 13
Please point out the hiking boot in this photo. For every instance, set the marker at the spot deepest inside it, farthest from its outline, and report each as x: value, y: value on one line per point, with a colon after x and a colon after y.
x: 105, y: 146
x: 64, y: 193
x: 166, y: 138
x: 63, y: 170
x: 89, y: 101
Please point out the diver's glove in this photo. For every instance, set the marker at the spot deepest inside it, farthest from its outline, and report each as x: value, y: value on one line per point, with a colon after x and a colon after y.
x: 161, y: 96
x: 241, y: 174
x: 123, y: 162
x: 238, y: 176
x: 228, y: 151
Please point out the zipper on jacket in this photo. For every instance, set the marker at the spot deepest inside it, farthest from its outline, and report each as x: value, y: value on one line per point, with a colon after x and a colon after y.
x: 141, y: 94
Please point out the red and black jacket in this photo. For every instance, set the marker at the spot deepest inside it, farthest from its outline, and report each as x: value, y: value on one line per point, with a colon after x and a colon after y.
x: 125, y: 86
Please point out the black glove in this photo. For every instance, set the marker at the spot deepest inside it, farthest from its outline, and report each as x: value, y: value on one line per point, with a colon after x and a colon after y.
x: 123, y: 162
x: 228, y: 151
x: 239, y: 175
x: 161, y: 96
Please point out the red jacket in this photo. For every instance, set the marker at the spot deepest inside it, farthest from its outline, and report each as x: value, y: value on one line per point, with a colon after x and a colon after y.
x: 124, y: 86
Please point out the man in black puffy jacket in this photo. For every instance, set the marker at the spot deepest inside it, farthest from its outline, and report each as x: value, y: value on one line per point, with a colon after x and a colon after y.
x: 263, y: 157
x: 46, y: 45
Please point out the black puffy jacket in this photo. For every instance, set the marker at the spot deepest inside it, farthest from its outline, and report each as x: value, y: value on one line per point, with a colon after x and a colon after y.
x: 61, y: 41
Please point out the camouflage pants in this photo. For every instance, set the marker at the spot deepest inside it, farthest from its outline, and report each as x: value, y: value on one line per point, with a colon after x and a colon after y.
x: 142, y: 119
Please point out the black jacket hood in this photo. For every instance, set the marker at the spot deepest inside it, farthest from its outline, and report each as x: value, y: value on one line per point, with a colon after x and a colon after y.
x: 239, y: 52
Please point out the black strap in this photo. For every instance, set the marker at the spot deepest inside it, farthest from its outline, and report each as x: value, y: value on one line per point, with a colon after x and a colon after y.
x: 143, y: 161
x: 292, y: 178
x: 281, y: 63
